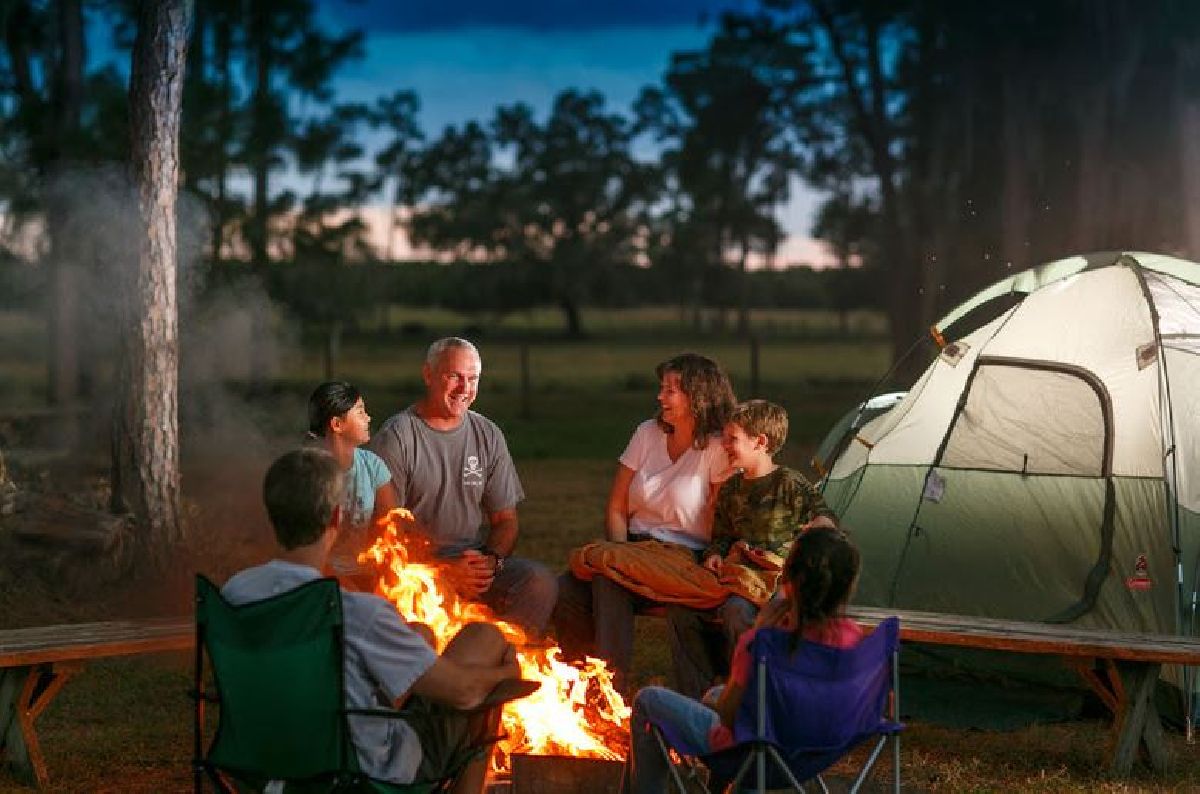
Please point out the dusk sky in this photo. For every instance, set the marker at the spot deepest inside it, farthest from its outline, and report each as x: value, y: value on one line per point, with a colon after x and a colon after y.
x: 465, y: 57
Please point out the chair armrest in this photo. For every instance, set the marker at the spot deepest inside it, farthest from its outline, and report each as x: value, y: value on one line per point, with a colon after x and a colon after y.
x: 385, y: 713
x: 510, y: 689
x: 503, y: 692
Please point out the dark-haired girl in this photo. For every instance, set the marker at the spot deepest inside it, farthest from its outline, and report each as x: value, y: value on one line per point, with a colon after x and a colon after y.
x: 818, y: 581
x: 338, y: 420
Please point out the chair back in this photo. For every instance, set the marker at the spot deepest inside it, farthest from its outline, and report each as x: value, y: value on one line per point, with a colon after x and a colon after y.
x: 817, y: 697
x: 277, y: 669
x: 813, y: 703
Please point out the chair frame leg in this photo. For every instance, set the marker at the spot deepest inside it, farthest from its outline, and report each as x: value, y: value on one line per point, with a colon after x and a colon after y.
x: 666, y: 754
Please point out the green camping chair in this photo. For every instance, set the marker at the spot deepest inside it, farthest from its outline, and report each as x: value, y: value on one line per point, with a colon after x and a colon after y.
x: 276, y: 669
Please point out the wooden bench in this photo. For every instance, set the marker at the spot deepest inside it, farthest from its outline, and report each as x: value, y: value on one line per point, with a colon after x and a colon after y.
x: 1130, y: 662
x: 36, y: 662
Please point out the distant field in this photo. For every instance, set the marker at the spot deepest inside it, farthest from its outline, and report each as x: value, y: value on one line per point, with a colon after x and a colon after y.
x: 583, y: 396
x: 634, y: 320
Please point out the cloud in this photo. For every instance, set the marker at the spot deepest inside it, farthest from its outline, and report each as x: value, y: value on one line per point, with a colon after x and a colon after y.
x: 413, y: 16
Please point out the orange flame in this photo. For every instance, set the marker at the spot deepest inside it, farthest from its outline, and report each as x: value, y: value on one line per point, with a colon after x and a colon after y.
x: 576, y: 712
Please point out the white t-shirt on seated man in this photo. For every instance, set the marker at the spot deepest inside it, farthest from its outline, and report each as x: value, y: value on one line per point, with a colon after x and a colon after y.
x: 385, y: 658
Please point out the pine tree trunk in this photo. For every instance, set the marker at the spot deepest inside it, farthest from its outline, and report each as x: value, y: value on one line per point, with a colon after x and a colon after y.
x: 146, y: 420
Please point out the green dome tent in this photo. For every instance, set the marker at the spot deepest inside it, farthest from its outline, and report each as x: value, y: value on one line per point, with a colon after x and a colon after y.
x: 1046, y: 466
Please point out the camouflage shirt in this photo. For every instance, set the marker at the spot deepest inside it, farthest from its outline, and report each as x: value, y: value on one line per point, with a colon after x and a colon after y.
x: 766, y: 512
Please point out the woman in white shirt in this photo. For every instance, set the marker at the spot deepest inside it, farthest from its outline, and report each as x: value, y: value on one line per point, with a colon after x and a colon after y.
x: 663, y: 490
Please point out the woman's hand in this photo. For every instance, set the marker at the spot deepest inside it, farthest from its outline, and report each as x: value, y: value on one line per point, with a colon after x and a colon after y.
x: 714, y: 563
x: 616, y: 516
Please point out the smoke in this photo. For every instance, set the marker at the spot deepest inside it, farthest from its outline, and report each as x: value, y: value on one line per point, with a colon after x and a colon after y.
x: 234, y: 343
x: 233, y: 421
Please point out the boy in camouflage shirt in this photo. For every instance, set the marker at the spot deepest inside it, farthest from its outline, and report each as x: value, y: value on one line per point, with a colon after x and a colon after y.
x: 760, y: 511
x: 763, y: 506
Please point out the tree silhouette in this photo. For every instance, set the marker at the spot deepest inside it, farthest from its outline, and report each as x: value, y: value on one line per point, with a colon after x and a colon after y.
x: 728, y: 117
x: 567, y: 207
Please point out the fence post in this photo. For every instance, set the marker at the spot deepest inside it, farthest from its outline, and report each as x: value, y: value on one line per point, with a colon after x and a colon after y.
x: 526, y: 407
x: 754, y: 366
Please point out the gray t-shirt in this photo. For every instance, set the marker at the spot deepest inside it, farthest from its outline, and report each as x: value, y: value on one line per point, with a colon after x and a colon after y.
x: 383, y: 659
x: 450, y: 479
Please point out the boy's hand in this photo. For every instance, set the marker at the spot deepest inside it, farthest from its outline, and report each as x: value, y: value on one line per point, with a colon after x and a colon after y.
x: 763, y: 558
x: 713, y: 563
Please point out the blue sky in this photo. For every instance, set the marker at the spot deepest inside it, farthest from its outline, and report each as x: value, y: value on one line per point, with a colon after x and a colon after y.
x: 465, y: 57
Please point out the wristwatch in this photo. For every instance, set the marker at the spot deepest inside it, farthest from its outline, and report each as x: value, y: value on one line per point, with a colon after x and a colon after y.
x: 488, y: 551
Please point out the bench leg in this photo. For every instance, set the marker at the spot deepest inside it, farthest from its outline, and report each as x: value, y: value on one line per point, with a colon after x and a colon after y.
x: 24, y: 694
x: 1138, y: 725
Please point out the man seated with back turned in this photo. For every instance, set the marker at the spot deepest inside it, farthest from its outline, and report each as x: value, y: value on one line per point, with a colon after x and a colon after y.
x: 386, y: 659
x: 451, y: 467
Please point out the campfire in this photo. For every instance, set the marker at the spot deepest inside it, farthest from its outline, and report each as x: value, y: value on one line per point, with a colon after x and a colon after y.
x: 576, y: 712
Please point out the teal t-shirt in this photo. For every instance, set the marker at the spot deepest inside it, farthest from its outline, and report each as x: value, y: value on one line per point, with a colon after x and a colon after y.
x: 367, y: 472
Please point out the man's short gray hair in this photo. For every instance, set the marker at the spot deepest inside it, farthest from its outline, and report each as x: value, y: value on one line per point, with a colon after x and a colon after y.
x: 439, y: 348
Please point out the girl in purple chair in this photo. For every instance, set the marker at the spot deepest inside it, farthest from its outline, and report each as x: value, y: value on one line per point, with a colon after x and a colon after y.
x: 818, y: 581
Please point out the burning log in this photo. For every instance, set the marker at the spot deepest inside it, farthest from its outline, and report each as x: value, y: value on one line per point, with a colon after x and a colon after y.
x: 576, y: 712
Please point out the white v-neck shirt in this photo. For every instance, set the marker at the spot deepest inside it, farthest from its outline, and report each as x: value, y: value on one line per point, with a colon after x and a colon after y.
x: 667, y: 499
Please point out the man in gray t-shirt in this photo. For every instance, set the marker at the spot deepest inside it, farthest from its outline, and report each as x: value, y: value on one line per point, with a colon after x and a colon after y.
x: 451, y: 467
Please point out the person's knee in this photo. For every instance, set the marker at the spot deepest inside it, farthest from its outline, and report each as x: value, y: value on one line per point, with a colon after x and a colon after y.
x: 648, y: 700
x: 478, y: 643
x: 738, y: 615
x: 539, y: 585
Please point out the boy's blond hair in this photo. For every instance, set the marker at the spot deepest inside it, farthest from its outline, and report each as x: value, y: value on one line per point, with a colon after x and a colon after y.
x: 762, y: 417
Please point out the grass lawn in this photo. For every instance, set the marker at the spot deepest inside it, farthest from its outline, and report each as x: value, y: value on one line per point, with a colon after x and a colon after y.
x: 125, y: 725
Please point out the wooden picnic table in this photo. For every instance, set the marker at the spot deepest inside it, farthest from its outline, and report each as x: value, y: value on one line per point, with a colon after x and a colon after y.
x: 36, y: 662
x: 1121, y: 667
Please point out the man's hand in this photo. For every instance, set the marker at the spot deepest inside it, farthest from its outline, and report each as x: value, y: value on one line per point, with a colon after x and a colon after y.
x: 714, y: 563
x: 472, y: 573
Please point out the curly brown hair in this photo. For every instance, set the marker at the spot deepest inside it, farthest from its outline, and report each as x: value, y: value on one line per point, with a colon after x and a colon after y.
x: 708, y: 391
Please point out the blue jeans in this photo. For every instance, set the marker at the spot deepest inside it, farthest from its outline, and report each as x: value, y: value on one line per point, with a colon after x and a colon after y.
x: 524, y: 593
x: 646, y: 770
x: 703, y: 642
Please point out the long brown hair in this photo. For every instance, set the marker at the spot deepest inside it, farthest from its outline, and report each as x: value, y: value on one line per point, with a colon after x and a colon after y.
x: 708, y: 391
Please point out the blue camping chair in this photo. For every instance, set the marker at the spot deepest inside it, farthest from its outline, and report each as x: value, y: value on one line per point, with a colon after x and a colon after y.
x: 809, y: 709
